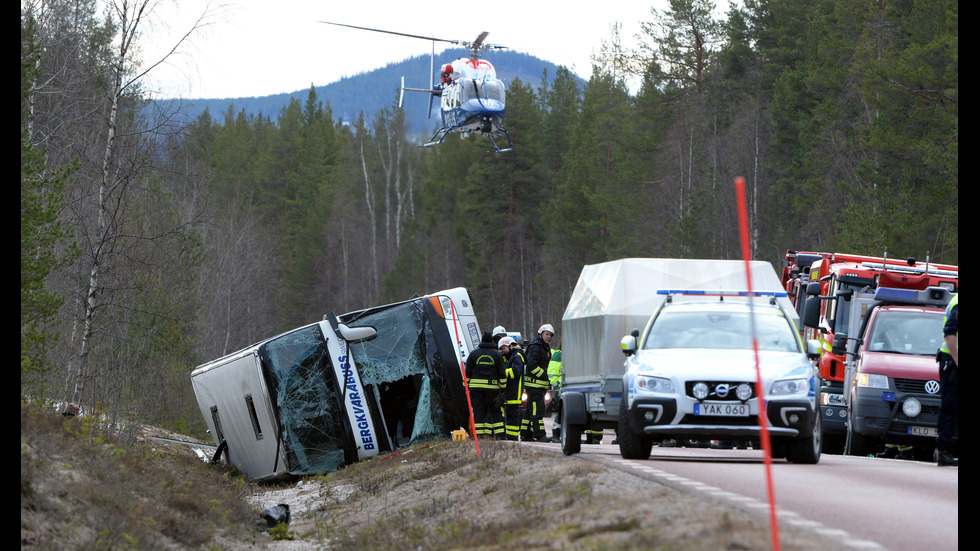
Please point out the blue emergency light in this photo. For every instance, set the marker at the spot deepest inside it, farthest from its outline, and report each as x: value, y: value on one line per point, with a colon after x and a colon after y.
x: 933, y: 296
x: 703, y: 292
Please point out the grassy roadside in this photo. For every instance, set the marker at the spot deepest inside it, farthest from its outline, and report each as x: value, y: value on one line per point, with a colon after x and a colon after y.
x: 80, y: 490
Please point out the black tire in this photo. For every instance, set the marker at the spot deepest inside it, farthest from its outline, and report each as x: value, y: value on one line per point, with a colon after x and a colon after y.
x: 857, y: 443
x: 571, y: 438
x: 631, y: 445
x: 806, y: 450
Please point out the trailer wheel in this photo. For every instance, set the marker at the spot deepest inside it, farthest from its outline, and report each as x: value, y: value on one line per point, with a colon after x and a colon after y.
x: 631, y: 445
x: 571, y: 438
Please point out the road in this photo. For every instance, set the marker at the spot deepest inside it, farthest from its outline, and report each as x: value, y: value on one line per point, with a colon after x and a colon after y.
x: 865, y: 503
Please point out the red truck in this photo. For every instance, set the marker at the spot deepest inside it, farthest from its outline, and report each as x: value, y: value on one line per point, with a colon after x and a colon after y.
x: 891, y: 383
x: 833, y: 280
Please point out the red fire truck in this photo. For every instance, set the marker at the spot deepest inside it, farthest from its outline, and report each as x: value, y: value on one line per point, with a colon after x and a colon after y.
x: 833, y: 280
x: 796, y: 275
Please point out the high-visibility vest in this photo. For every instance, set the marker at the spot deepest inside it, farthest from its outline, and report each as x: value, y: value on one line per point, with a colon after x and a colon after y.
x: 949, y: 308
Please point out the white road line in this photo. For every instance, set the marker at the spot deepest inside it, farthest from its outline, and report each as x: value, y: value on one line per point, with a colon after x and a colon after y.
x: 791, y: 518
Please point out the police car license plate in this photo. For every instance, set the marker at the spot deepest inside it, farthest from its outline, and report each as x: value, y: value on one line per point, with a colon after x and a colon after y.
x: 722, y: 410
x: 923, y: 431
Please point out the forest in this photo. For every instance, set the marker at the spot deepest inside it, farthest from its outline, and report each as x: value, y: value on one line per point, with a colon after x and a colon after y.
x: 150, y: 244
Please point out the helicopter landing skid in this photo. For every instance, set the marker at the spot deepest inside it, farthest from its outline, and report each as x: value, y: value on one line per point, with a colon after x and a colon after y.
x: 441, y: 134
x: 501, y: 132
x: 437, y: 138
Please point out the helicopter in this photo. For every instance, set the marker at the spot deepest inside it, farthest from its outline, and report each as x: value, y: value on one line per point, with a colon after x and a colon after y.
x: 472, y: 98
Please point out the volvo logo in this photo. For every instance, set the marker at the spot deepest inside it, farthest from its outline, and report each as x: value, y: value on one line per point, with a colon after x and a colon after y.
x: 932, y: 387
x: 721, y: 390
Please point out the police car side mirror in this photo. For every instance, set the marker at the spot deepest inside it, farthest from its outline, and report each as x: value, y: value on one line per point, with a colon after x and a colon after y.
x: 629, y: 345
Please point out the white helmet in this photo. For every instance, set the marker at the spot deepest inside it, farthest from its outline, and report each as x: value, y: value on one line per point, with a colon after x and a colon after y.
x: 506, y: 341
x: 498, y: 330
x: 546, y: 327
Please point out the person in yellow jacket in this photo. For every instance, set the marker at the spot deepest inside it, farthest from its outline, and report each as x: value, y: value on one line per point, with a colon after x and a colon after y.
x: 949, y: 404
x: 514, y: 375
x: 554, y: 376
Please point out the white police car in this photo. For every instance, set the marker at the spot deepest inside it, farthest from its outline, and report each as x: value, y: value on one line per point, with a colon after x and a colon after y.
x: 691, y: 375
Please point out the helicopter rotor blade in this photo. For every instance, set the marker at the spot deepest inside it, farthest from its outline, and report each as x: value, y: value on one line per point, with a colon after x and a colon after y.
x: 392, y: 32
x: 480, y: 39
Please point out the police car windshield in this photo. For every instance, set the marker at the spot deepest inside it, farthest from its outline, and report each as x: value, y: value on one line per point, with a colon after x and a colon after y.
x: 724, y: 328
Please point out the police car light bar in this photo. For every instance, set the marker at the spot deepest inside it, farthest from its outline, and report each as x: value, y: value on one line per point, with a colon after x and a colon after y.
x: 705, y: 293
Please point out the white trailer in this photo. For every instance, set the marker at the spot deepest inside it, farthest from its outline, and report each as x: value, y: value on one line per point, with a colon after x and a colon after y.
x: 613, y: 298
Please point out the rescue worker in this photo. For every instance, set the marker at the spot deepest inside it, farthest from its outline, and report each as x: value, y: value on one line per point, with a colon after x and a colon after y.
x: 949, y: 404
x: 484, y: 368
x: 498, y: 333
x: 554, y: 377
x: 514, y: 375
x: 536, y: 383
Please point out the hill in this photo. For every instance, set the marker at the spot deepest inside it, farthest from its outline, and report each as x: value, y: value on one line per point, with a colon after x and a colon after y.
x: 372, y: 91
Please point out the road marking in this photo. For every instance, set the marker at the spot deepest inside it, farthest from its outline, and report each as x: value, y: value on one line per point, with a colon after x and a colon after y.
x: 791, y: 518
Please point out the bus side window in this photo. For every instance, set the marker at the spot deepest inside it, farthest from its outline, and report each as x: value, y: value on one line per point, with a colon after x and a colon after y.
x: 255, y: 419
x: 217, y: 424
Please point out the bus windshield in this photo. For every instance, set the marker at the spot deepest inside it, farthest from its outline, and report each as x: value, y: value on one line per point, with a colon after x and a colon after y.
x: 299, y: 373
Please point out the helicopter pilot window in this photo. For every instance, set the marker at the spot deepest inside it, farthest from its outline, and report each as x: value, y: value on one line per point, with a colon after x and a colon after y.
x: 472, y: 89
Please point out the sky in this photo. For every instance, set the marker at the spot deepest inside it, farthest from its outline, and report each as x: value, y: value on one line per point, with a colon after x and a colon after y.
x: 260, y: 47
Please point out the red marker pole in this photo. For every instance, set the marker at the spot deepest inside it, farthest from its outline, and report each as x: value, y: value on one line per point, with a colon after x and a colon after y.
x: 760, y: 390
x: 466, y: 384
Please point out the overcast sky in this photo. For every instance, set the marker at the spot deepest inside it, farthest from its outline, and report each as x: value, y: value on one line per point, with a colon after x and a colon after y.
x: 262, y: 47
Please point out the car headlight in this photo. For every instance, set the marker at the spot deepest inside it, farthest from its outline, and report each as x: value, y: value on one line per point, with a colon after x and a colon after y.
x: 911, y: 407
x: 790, y: 386
x: 653, y: 384
x: 871, y: 380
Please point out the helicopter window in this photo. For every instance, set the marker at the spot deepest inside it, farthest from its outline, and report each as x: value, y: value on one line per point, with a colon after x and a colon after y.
x: 495, y: 90
x: 471, y: 89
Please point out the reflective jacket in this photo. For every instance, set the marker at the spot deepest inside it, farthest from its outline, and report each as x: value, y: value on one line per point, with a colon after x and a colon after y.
x: 951, y: 322
x: 538, y: 357
x: 485, y: 367
x: 554, y: 369
x: 514, y: 374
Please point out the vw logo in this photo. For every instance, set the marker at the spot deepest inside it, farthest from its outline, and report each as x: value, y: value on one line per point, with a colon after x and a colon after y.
x: 932, y: 387
x: 721, y: 390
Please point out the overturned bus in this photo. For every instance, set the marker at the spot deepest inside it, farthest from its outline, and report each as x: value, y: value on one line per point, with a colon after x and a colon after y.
x: 343, y: 389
